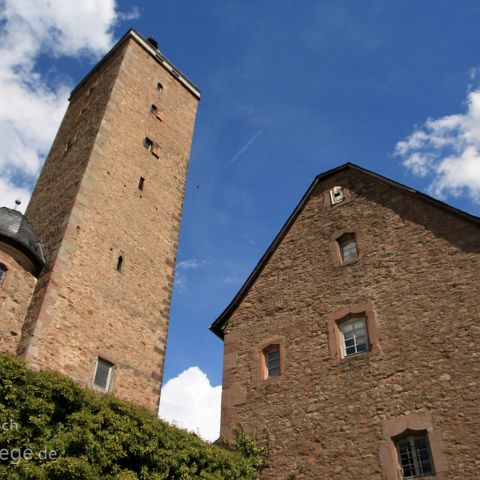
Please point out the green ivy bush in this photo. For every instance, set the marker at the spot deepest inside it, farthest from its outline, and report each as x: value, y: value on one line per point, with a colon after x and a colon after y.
x: 52, y: 429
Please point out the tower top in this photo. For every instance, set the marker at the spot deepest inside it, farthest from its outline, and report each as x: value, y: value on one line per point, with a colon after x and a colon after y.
x: 150, y: 48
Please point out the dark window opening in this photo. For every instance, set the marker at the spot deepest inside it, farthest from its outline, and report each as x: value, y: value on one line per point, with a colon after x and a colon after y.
x: 3, y: 273
x: 148, y: 144
x: 154, y: 109
x: 120, y: 263
x: 414, y: 455
x: 141, y: 183
x: 159, y: 87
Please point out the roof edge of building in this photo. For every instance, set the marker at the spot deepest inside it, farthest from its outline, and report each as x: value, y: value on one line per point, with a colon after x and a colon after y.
x: 218, y: 326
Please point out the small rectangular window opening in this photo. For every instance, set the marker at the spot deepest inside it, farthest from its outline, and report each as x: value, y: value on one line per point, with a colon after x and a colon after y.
x: 148, y: 144
x: 141, y: 183
x: 159, y: 87
x: 336, y: 195
x: 348, y: 247
x: 154, y: 109
x: 120, y: 262
x: 354, y: 336
x: 103, y: 374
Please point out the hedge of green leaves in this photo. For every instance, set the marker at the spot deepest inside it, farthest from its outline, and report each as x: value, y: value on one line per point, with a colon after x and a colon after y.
x: 52, y: 429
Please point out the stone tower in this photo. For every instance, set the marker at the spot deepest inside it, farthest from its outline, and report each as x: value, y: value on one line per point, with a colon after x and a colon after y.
x: 107, y: 208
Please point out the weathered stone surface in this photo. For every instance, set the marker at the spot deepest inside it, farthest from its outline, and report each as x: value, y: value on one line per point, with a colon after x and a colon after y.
x: 419, y: 269
x: 16, y: 289
x: 88, y: 210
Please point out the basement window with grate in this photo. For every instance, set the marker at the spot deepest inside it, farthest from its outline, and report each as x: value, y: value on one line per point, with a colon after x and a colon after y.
x: 103, y: 375
x: 414, y: 455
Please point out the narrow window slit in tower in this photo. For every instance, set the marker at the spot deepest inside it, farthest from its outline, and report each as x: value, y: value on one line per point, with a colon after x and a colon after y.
x: 159, y: 87
x: 120, y: 264
x: 141, y: 182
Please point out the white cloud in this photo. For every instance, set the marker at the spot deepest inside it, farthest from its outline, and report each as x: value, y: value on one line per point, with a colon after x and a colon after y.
x: 447, y: 151
x: 191, y: 264
x: 31, y: 107
x: 189, y: 401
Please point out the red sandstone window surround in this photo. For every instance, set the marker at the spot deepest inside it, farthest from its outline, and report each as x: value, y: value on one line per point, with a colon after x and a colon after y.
x: 411, y: 448
x: 352, y: 332
x: 347, y: 245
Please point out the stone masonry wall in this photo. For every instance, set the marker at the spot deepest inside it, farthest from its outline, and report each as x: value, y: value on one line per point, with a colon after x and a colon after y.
x: 419, y: 272
x: 16, y: 291
x: 90, y: 309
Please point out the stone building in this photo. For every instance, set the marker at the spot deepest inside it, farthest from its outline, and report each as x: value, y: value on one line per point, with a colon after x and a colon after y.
x: 355, y: 341
x: 93, y: 302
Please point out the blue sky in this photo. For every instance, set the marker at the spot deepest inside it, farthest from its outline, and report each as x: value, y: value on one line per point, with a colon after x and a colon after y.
x: 289, y: 90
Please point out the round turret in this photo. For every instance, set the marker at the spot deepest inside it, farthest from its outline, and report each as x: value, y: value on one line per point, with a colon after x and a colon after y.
x: 19, y: 240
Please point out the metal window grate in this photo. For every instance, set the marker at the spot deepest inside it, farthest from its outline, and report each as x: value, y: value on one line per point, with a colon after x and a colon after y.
x: 354, y: 336
x: 348, y: 247
x: 272, y: 361
x: 414, y: 455
x: 103, y: 373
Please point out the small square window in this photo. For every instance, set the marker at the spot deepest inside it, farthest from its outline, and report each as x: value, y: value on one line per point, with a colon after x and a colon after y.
x: 347, y: 245
x: 148, y: 144
x: 336, y: 195
x: 103, y: 374
x: 354, y: 336
x: 414, y: 456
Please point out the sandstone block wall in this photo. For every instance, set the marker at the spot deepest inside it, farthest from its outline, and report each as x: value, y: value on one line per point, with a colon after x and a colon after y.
x: 16, y: 289
x: 419, y: 274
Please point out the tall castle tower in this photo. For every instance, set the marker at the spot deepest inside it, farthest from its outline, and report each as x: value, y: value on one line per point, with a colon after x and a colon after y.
x: 107, y: 209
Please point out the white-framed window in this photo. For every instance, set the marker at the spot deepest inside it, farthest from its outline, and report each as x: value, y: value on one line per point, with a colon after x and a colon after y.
x: 354, y: 336
x: 336, y: 195
x: 103, y: 374
x: 414, y: 455
x: 347, y: 245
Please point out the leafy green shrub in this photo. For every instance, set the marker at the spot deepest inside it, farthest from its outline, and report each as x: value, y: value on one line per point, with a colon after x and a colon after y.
x: 52, y: 429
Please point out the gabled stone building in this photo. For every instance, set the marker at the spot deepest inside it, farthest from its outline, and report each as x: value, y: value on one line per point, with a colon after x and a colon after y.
x: 355, y: 341
x: 94, y: 302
